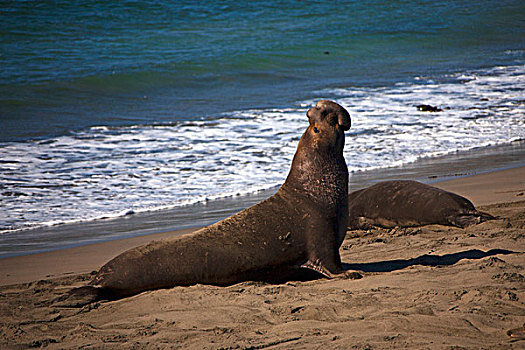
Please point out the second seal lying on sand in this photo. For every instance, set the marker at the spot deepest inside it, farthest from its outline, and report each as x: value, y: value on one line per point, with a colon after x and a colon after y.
x: 302, y: 225
x: 410, y: 203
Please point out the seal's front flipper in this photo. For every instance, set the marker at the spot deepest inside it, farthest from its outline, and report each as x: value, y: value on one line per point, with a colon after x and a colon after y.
x: 318, y: 267
x: 78, y: 297
x: 323, y: 249
x: 329, y: 268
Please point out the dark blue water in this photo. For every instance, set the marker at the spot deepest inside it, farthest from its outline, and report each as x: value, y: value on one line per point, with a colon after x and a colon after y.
x: 67, y: 65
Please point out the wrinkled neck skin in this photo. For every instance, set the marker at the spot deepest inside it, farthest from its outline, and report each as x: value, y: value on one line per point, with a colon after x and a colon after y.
x: 319, y: 170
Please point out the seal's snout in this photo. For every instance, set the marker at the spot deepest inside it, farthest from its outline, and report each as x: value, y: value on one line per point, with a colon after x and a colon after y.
x: 330, y: 111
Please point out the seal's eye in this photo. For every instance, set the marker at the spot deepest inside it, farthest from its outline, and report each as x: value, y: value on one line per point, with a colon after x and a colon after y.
x: 316, y: 130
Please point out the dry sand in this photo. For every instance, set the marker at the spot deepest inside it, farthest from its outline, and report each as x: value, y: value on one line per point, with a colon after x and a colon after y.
x: 433, y: 287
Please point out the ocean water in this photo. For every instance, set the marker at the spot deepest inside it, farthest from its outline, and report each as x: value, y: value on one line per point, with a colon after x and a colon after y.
x: 115, y: 108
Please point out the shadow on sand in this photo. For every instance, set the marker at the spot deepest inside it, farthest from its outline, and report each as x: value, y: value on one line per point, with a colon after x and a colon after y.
x: 425, y: 260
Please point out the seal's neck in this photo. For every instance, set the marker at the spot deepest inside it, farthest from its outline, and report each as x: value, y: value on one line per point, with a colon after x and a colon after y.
x: 318, y: 171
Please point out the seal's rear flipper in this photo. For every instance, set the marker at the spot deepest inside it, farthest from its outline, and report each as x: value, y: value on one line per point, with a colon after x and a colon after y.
x: 464, y: 220
x: 78, y: 297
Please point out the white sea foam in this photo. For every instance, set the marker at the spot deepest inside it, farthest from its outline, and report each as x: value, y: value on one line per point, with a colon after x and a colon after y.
x: 106, y: 171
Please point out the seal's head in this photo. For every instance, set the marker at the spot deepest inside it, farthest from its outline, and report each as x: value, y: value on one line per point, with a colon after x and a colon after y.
x: 328, y: 122
x: 319, y: 154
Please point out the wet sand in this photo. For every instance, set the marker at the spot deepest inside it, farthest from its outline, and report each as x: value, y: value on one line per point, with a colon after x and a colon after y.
x: 428, y: 287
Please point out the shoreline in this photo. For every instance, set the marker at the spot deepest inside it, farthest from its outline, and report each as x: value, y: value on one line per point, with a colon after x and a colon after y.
x: 428, y: 170
x: 502, y: 186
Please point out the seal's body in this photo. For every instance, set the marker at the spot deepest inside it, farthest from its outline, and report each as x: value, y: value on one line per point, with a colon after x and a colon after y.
x: 302, y: 225
x: 410, y: 203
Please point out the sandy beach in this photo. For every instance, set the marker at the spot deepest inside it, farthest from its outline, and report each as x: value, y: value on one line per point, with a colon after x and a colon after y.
x: 433, y: 287
x: 128, y: 123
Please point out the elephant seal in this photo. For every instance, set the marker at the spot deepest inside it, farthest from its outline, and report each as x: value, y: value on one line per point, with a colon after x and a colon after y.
x: 301, y: 226
x: 410, y: 203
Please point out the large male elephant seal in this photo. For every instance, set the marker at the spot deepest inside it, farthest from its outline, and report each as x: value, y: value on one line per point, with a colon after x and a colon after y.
x: 410, y: 203
x: 302, y: 225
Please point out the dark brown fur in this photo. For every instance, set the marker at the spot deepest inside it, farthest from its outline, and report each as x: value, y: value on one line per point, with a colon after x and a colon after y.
x: 302, y: 225
x: 410, y: 203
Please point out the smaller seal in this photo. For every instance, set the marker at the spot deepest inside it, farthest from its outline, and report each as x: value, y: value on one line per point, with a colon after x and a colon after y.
x: 410, y: 203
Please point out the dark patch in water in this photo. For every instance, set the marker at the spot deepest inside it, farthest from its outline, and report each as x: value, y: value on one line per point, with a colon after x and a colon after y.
x: 428, y: 108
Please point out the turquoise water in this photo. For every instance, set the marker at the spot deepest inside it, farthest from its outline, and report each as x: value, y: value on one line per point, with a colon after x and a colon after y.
x: 67, y: 65
x: 109, y: 109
